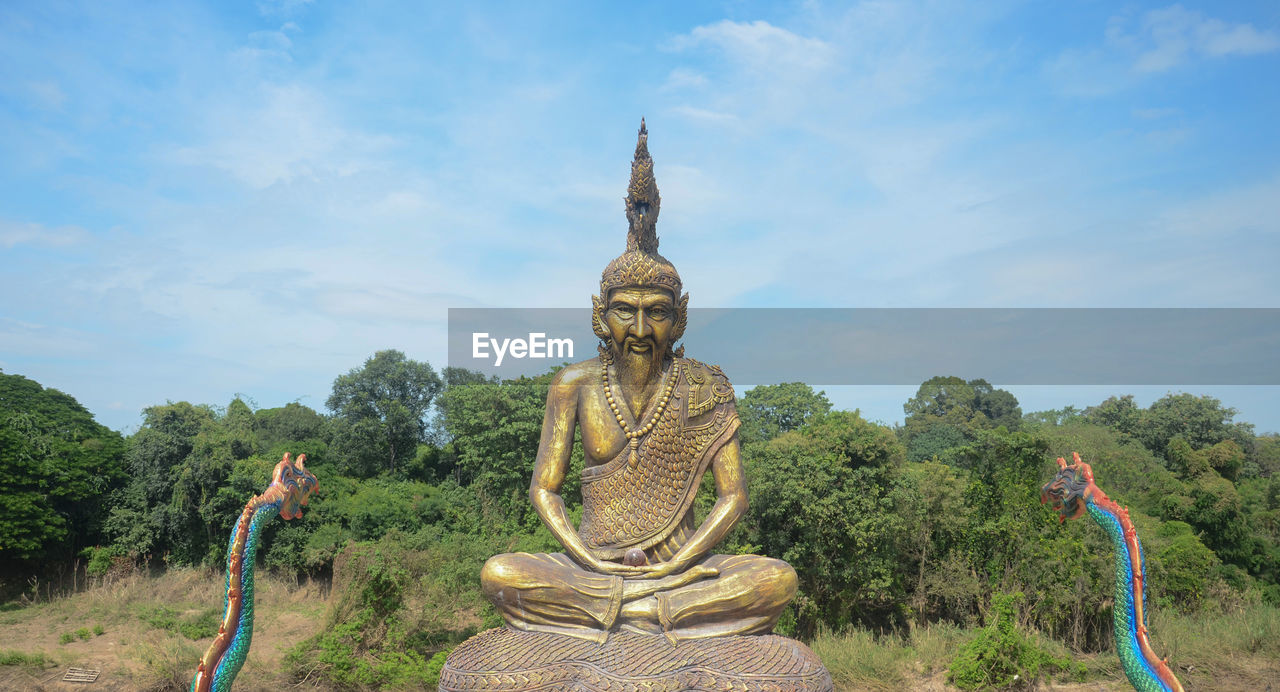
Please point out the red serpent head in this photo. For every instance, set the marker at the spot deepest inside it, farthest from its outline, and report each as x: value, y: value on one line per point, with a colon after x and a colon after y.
x: 1070, y: 490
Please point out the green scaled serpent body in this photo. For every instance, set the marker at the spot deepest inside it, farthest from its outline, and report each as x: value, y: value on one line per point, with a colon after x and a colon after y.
x: 291, y: 486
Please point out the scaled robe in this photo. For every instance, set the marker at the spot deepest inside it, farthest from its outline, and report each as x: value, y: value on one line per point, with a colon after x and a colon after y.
x: 648, y: 505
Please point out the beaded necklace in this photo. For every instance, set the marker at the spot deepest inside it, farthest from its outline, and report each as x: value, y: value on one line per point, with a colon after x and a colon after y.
x: 606, y: 360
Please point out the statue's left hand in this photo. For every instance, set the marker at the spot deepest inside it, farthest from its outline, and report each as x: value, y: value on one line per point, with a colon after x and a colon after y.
x: 664, y: 569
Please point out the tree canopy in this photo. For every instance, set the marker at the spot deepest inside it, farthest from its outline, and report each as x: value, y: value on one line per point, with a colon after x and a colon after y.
x: 382, y: 409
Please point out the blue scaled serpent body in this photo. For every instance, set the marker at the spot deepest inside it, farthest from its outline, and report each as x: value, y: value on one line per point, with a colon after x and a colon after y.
x: 291, y: 486
x: 1073, y: 493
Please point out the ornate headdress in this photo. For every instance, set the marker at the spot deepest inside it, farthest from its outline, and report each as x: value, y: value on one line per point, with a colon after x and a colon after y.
x: 641, y: 265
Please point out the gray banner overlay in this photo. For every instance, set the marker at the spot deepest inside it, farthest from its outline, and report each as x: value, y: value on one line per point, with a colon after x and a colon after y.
x: 869, y: 346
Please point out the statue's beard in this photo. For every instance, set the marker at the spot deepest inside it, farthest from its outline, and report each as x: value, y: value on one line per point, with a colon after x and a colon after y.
x: 638, y: 369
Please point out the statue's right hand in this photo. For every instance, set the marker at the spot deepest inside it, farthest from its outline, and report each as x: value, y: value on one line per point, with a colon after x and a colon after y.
x: 615, y: 568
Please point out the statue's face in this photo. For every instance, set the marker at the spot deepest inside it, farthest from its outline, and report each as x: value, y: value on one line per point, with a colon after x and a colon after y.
x: 640, y: 321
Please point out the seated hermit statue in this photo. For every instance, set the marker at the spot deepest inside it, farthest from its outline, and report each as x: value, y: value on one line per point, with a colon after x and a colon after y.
x: 652, y: 422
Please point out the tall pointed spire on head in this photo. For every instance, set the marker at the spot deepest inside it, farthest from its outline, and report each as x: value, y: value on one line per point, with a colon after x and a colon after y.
x: 640, y: 265
x: 643, y: 200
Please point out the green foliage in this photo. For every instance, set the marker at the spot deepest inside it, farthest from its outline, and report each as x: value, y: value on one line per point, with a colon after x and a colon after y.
x: 98, y: 631
x: 1267, y: 456
x: 1001, y: 657
x: 1187, y: 566
x: 770, y: 410
x: 823, y: 499
x: 395, y: 614
x: 932, y: 552
x: 1118, y: 413
x: 193, y: 626
x: 100, y: 559
x: 66, y: 638
x: 17, y: 658
x: 84, y: 634
x: 495, y: 430
x: 381, y: 410
x: 947, y: 412
x: 288, y: 425
x: 1201, y: 420
x: 57, y: 466
x: 877, y: 540
x: 1052, y: 417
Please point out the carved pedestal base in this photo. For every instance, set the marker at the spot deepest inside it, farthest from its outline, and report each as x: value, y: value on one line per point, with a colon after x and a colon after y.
x: 504, y: 659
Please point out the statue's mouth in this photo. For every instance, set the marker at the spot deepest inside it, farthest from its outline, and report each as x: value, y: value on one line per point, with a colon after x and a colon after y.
x: 1063, y: 496
x: 639, y: 345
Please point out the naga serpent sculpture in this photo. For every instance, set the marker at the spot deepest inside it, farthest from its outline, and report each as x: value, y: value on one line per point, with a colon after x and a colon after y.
x: 291, y: 486
x: 1073, y: 493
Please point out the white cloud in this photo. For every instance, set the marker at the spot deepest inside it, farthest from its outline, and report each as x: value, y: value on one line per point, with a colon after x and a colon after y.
x: 284, y: 133
x: 1154, y: 113
x: 1253, y: 208
x: 760, y: 45
x: 22, y: 338
x: 1170, y: 36
x: 264, y: 45
x: 47, y: 94
x: 1155, y: 42
x: 685, y: 78
x: 704, y: 115
x: 33, y: 234
x: 270, y: 8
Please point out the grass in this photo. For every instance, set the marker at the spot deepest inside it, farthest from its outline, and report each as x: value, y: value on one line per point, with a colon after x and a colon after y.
x: 150, y: 631
x: 861, y: 660
x: 1207, y: 648
x: 143, y: 619
x: 17, y: 658
x: 194, y: 625
x: 1237, y: 650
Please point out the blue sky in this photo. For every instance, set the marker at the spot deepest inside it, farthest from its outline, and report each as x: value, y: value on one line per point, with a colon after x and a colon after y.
x: 207, y: 200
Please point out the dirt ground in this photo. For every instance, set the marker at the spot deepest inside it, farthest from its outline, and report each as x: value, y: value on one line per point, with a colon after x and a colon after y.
x: 132, y: 654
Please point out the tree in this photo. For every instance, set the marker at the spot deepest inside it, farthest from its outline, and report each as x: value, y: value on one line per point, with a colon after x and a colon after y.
x: 940, y: 396
x: 823, y: 499
x: 292, y: 422
x: 770, y: 410
x: 382, y: 406
x: 947, y: 412
x: 1118, y: 413
x: 1201, y: 420
x: 57, y: 466
x: 495, y: 431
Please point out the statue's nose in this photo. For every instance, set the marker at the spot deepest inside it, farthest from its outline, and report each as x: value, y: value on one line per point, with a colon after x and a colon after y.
x: 638, y: 326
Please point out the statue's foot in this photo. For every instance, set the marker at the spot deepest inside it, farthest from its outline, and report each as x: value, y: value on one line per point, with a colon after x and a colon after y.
x: 640, y: 588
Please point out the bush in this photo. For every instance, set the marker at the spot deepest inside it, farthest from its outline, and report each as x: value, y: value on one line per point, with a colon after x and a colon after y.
x: 17, y: 658
x: 399, y: 606
x: 1001, y: 657
x: 194, y: 627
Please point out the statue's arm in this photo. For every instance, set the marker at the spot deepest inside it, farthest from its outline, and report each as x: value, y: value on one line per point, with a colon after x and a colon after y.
x: 731, y: 504
x: 549, y: 471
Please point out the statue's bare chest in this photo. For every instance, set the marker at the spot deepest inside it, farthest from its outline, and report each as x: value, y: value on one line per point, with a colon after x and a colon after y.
x: 603, y: 437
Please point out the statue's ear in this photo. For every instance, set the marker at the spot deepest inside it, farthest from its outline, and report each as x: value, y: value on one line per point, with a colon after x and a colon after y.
x: 597, y: 319
x: 682, y: 318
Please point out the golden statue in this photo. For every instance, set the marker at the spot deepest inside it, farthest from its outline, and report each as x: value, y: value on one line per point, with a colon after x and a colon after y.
x: 652, y: 422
